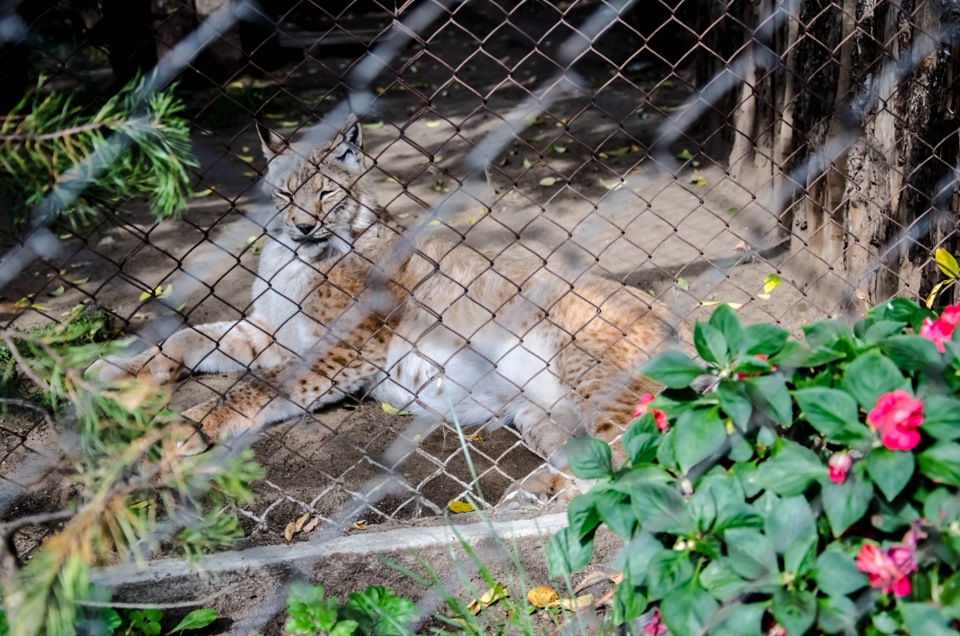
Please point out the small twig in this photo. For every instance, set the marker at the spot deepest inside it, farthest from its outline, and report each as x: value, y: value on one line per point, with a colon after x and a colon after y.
x: 35, y: 520
x: 161, y: 606
x: 67, y: 132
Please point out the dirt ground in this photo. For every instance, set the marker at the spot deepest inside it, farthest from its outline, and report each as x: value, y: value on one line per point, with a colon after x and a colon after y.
x: 577, y: 189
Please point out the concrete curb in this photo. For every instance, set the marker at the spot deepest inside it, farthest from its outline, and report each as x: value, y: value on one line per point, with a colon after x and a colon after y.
x: 387, y: 541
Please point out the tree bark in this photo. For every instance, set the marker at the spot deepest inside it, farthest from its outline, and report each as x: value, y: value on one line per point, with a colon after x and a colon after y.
x: 865, y: 226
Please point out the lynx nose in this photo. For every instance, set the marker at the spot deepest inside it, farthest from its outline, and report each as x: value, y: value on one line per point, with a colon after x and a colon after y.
x: 306, y: 228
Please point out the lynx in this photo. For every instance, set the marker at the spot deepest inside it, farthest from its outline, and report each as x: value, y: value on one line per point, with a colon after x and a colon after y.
x: 450, y: 333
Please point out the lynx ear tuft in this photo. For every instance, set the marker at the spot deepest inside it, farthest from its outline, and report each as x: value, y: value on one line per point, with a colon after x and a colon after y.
x: 348, y: 151
x: 273, y: 144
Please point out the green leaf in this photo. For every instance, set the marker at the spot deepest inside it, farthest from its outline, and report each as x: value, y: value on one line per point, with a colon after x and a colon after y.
x: 795, y: 610
x: 672, y: 369
x: 837, y: 614
x: 941, y: 417
x: 942, y: 507
x: 722, y: 582
x: 950, y: 596
x: 309, y: 611
x: 882, y: 329
x: 793, y: 355
x: 735, y: 403
x: 769, y: 394
x: 566, y: 554
x: 636, y: 556
x: 698, y: 435
x: 846, y: 503
x: 628, y: 603
x: 344, y: 628
x: 641, y: 439
x: 688, y: 610
x: 583, y: 516
x: 791, y: 471
x: 947, y: 263
x: 825, y: 331
x: 941, y: 463
x: 870, y: 376
x: 742, y: 619
x: 615, y: 512
x: 710, y: 343
x: 379, y: 610
x: 751, y: 554
x: 890, y: 470
x: 926, y: 620
x: 196, y: 619
x: 911, y: 352
x: 668, y: 570
x: 764, y: 338
x: 827, y: 410
x: 724, y: 320
x: 792, y: 529
x: 660, y: 508
x: 837, y: 574
x: 589, y: 458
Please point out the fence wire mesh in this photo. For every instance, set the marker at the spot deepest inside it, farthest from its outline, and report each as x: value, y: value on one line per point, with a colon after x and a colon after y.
x: 796, y: 160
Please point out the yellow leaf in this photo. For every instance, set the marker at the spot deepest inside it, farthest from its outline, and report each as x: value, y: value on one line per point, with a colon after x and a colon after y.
x: 139, y: 504
x: 763, y: 296
x: 477, y: 438
x: 373, y: 125
x: 579, y: 603
x: 546, y: 182
x: 947, y: 263
x: 434, y: 222
x: 618, y: 152
x: 360, y: 525
x: 203, y: 193
x: 933, y: 293
x: 80, y: 281
x: 542, y: 596
x: 247, y: 158
x: 56, y: 292
x: 491, y: 596
x: 433, y: 123
x: 302, y: 520
x: 392, y: 410
x: 683, y: 284
x: 457, y: 507
x: 289, y: 531
x: 771, y: 282
x: 612, y: 185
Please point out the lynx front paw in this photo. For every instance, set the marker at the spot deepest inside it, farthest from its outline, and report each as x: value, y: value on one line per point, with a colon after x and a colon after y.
x: 545, y: 485
x: 150, y: 365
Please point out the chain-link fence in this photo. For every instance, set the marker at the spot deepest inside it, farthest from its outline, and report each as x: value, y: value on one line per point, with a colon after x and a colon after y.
x: 557, y: 174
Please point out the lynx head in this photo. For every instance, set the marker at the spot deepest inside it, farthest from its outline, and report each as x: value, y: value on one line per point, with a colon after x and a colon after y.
x: 320, y: 192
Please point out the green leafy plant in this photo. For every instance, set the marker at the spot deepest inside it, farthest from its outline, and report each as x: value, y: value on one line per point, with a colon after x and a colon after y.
x: 147, y: 622
x: 45, y: 136
x: 376, y: 611
x: 949, y: 268
x: 812, y: 490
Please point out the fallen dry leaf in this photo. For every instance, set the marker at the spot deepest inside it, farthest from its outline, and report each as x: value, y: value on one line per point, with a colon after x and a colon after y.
x: 542, y: 596
x: 289, y: 531
x: 742, y: 247
x: 491, y: 596
x: 592, y: 579
x: 311, y: 525
x: 457, y: 507
x: 574, y: 604
x: 360, y: 525
x: 302, y: 520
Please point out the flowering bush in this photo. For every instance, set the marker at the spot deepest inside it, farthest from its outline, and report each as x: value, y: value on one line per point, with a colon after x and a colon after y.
x: 813, y: 490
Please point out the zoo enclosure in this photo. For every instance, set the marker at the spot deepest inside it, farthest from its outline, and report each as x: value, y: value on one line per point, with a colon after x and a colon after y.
x: 794, y: 159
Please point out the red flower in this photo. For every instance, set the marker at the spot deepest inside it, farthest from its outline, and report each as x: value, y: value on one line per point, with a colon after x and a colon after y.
x: 655, y: 626
x: 659, y: 416
x: 897, y: 416
x: 759, y: 356
x: 942, y: 328
x: 839, y: 464
x: 890, y: 570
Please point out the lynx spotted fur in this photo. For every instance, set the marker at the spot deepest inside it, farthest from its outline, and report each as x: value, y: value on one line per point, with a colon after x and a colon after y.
x: 450, y: 329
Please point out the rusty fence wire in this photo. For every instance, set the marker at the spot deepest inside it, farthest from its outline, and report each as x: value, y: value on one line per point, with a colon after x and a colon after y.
x: 795, y: 159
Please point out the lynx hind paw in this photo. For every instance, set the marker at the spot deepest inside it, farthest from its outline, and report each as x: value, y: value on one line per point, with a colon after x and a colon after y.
x: 545, y: 485
x: 150, y: 365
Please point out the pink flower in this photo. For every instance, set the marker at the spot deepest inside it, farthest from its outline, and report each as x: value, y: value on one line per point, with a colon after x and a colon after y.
x: 759, y: 356
x: 942, y: 328
x: 897, y: 416
x: 890, y: 570
x: 659, y: 416
x: 839, y: 464
x: 777, y: 630
x: 655, y: 626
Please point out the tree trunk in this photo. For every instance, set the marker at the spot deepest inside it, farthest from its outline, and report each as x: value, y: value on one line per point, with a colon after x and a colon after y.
x: 865, y: 225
